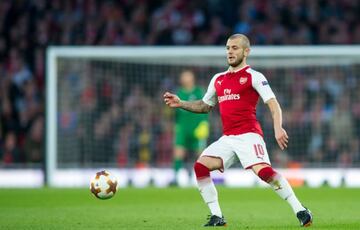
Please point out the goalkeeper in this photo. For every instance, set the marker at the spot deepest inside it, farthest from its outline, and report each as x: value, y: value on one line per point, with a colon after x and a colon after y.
x: 191, y: 130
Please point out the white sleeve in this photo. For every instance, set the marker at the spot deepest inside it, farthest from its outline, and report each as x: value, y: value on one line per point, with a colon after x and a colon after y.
x: 261, y: 85
x: 210, y: 95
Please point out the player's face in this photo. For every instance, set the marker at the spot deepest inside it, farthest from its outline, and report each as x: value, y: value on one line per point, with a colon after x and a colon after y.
x: 235, y: 52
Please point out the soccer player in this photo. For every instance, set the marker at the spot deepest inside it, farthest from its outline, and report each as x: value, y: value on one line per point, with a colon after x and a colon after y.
x: 237, y: 91
x: 191, y: 130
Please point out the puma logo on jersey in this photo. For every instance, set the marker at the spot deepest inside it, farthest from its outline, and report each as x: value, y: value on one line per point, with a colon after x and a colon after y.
x: 219, y: 82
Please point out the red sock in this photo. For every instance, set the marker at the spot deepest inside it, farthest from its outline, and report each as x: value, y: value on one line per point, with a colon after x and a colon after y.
x: 201, y: 171
x: 267, y: 174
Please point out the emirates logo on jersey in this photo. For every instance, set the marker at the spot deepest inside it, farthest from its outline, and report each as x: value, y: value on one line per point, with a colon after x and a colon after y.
x: 228, y: 96
x: 243, y: 80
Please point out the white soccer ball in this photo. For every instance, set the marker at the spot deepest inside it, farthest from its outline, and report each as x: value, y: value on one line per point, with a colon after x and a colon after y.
x: 103, y: 185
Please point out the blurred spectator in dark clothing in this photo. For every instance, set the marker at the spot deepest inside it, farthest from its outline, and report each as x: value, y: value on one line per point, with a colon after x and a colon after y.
x: 341, y: 123
x: 10, y: 153
x: 34, y: 142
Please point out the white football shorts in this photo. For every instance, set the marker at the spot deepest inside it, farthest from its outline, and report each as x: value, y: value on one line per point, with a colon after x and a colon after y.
x: 248, y: 148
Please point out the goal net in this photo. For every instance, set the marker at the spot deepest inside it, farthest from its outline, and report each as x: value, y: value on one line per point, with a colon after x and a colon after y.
x: 105, y: 106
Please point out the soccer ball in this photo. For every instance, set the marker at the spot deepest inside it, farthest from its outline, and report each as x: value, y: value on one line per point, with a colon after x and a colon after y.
x: 103, y: 185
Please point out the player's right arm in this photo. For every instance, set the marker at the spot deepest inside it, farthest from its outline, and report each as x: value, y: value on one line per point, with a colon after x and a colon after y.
x: 199, y: 106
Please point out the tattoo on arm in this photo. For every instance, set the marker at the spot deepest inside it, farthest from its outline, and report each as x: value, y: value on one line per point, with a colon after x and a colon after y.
x: 195, y: 106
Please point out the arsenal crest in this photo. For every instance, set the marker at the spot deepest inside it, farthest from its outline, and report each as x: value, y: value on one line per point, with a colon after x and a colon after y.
x: 243, y: 80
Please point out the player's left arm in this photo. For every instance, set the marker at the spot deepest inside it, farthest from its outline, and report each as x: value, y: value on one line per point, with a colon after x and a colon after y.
x: 262, y: 86
x: 276, y: 113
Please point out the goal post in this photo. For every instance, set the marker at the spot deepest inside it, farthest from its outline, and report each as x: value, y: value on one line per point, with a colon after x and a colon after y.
x: 104, y: 105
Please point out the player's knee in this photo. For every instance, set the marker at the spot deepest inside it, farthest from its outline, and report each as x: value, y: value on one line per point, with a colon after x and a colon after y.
x: 201, y: 171
x: 212, y: 163
x: 267, y: 174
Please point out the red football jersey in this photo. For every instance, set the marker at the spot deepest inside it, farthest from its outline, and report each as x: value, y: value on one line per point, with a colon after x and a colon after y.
x: 237, y: 94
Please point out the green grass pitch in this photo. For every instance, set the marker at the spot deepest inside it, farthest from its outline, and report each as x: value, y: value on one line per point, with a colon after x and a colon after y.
x: 173, y: 208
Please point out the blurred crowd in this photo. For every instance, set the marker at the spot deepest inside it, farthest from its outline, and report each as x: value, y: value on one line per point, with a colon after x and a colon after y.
x: 321, y: 115
x: 115, y: 113
x: 28, y: 27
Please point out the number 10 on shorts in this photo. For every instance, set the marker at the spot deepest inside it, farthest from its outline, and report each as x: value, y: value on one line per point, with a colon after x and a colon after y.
x: 259, y: 151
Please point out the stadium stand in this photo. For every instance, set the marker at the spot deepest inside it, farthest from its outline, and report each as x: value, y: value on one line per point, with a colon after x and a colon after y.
x: 27, y: 28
